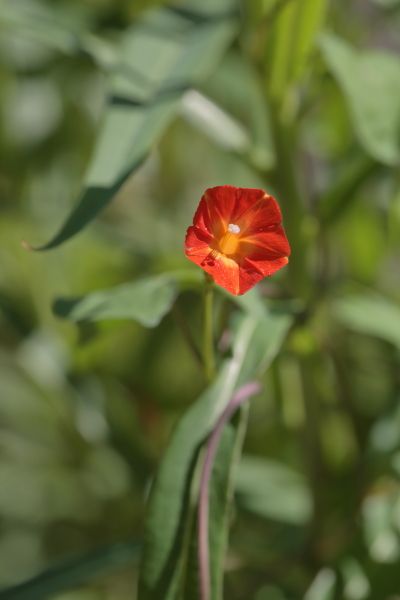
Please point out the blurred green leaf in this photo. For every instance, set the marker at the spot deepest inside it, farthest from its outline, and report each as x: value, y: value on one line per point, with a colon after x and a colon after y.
x: 309, y: 19
x: 273, y: 491
x: 371, y: 315
x: 145, y: 301
x: 74, y: 572
x: 291, y: 40
x: 370, y: 81
x: 165, y: 53
x: 214, y: 121
x: 255, y: 346
x: 221, y: 490
x: 236, y: 86
x: 53, y: 27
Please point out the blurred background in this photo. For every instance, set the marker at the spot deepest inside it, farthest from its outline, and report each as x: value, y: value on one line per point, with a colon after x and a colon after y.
x: 86, y: 409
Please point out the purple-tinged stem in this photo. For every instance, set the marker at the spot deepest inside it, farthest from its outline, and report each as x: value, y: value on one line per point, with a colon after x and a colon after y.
x: 244, y: 393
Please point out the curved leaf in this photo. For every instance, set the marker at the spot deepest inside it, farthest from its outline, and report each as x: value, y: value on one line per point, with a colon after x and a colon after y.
x: 256, y: 343
x: 160, y: 57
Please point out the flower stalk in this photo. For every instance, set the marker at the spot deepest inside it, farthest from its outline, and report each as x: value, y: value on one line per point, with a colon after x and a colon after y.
x: 208, y: 329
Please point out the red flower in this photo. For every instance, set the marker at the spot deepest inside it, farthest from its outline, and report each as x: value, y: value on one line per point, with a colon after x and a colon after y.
x: 237, y: 237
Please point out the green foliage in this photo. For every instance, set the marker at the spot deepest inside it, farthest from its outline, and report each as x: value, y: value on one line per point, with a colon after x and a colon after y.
x: 273, y: 491
x: 370, y: 81
x: 100, y: 438
x: 291, y: 41
x: 158, y: 59
x: 146, y: 301
x: 370, y: 315
x: 167, y: 525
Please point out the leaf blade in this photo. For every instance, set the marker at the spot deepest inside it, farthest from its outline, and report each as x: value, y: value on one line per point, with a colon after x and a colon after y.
x: 146, y: 301
x: 178, y: 49
x: 163, y: 542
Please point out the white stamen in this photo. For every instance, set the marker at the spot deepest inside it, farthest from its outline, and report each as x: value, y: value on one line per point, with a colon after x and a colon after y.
x: 233, y: 228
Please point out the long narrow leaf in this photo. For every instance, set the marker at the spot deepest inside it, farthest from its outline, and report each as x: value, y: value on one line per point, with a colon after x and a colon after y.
x: 256, y: 343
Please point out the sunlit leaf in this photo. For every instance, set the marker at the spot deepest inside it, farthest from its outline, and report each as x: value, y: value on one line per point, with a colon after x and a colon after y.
x: 370, y: 81
x: 164, y: 54
x: 145, y: 301
x: 254, y: 347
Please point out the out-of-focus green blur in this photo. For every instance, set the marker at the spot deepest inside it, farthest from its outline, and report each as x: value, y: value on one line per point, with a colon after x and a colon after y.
x: 86, y: 410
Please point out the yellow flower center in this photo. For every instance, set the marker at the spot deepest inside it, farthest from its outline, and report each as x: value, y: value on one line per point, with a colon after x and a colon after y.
x: 230, y: 240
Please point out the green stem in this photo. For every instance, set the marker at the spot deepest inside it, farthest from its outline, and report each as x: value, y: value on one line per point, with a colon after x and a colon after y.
x: 208, y: 330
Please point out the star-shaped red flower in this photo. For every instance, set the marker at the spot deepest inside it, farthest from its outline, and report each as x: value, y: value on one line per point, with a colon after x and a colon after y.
x: 237, y: 237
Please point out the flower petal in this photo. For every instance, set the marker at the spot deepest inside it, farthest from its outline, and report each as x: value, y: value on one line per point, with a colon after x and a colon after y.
x: 265, y: 267
x: 265, y: 245
x: 227, y: 204
x: 197, y: 242
x: 263, y: 215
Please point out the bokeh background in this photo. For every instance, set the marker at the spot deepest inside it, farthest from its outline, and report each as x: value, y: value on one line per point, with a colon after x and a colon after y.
x: 86, y: 410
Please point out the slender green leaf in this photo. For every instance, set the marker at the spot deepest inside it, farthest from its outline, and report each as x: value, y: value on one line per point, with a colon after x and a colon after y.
x: 220, y: 496
x: 273, y: 491
x: 371, y: 315
x: 256, y: 343
x: 221, y: 491
x: 370, y: 82
x: 168, y: 51
x: 74, y: 572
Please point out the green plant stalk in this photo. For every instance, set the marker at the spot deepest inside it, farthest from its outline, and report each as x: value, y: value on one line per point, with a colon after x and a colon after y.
x: 208, y: 329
